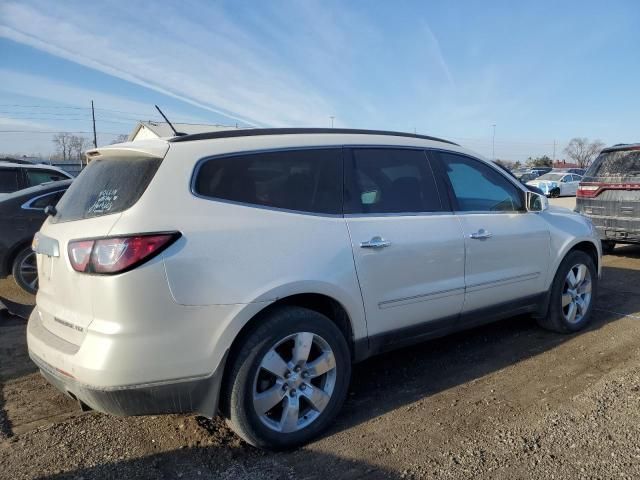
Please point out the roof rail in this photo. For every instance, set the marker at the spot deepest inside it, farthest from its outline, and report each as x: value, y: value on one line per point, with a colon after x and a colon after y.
x: 252, y: 132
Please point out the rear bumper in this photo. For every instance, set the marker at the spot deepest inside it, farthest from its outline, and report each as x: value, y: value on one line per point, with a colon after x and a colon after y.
x: 178, y: 396
x: 617, y: 234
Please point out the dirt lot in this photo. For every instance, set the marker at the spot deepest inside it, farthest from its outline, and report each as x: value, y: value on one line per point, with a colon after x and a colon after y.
x: 503, y: 401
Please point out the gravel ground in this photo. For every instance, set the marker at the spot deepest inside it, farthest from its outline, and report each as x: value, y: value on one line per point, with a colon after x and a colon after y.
x: 503, y: 401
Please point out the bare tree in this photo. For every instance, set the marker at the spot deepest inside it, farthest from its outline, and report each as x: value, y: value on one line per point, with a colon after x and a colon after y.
x: 583, y: 152
x: 123, y: 137
x: 62, y: 141
x: 70, y: 148
x: 78, y: 145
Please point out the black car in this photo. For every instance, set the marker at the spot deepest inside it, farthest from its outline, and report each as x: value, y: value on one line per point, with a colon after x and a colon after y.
x: 21, y: 215
x: 609, y: 194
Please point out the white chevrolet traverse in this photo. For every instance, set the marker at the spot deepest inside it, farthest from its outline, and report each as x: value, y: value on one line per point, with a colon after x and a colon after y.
x: 242, y: 272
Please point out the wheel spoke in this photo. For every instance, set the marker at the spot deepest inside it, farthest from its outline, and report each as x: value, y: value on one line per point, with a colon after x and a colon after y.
x: 585, y: 287
x: 571, y: 278
x: 566, y: 299
x: 33, y: 283
x: 274, y: 363
x: 302, y: 347
x: 582, y: 306
x: 28, y: 268
x: 581, y: 274
x: 290, y: 413
x: 265, y: 401
x: 317, y: 397
x: 321, y: 365
x: 571, y: 314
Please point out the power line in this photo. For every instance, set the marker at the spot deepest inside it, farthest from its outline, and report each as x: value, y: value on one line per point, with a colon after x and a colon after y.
x: 59, y: 131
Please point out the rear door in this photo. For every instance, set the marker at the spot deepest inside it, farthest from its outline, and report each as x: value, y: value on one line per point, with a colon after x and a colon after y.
x: 507, y: 248
x: 407, y: 244
x: 90, y: 208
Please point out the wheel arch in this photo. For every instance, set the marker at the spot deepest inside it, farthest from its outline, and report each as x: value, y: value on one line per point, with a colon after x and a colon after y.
x: 11, y: 256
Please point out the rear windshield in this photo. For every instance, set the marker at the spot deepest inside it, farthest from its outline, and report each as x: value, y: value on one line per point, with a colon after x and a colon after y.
x: 107, y: 185
x: 621, y: 163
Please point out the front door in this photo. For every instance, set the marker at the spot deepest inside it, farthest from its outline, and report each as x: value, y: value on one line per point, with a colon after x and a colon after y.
x: 507, y: 248
x: 408, y: 247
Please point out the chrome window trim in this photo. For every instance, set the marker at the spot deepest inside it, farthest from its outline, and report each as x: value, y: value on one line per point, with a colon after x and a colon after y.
x: 27, y: 204
x: 203, y: 160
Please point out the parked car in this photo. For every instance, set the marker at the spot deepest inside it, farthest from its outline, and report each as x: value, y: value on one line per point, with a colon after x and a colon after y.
x: 21, y: 215
x: 541, y: 170
x: 609, y: 195
x: 16, y: 176
x: 557, y: 184
x: 577, y: 171
x: 242, y: 272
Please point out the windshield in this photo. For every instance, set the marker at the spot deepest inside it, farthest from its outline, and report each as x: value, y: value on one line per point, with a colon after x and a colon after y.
x: 622, y: 163
x: 552, y: 176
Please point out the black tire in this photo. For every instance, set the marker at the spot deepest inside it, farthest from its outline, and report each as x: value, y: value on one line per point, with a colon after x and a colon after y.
x: 608, y: 246
x: 244, y: 364
x: 26, y: 255
x: 555, y: 193
x: 555, y: 319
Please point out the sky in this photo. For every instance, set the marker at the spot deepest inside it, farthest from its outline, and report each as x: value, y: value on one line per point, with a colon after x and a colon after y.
x: 542, y: 72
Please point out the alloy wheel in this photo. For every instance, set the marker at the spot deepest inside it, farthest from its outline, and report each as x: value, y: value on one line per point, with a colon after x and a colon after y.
x: 28, y: 271
x: 576, y: 293
x: 294, y: 382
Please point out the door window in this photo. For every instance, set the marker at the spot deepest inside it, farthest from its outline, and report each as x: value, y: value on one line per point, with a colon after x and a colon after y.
x: 391, y: 180
x: 37, y: 177
x: 478, y: 187
x: 307, y: 180
x: 8, y: 180
x: 46, y: 200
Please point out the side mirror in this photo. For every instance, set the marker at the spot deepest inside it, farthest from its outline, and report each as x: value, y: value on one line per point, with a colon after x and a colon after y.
x: 536, y: 202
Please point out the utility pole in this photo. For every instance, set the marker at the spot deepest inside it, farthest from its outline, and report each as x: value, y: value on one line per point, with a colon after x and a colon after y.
x: 331, y: 117
x: 93, y: 116
x: 493, y: 148
x: 553, y: 159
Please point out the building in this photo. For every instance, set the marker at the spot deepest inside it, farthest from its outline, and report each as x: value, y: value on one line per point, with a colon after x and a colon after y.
x: 151, y: 129
x: 565, y: 164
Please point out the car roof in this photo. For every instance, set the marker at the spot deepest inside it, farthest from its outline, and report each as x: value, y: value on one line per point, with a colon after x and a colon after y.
x: 41, y: 189
x: 299, y: 131
x: 622, y: 146
x: 43, y: 166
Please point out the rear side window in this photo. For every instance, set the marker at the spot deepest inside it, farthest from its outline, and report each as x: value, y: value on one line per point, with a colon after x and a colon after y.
x: 8, y: 180
x: 37, y: 177
x: 391, y: 180
x: 46, y: 200
x: 623, y: 163
x: 303, y: 180
x: 107, y: 185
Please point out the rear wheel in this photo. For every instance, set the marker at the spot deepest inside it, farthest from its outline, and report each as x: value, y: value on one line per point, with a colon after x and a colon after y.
x: 288, y: 380
x: 25, y: 270
x: 608, y: 246
x: 572, y: 294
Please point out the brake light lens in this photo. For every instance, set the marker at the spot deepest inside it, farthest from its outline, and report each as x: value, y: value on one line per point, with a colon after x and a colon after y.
x: 587, y: 191
x: 117, y: 254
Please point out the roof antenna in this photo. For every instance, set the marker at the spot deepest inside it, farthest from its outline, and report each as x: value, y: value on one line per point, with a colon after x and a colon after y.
x: 178, y: 134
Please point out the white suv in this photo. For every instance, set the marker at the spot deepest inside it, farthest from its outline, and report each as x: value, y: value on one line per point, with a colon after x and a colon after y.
x: 242, y: 272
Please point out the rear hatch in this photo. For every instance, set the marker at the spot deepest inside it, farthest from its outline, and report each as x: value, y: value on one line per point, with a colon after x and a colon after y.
x: 112, y: 182
x: 609, y: 193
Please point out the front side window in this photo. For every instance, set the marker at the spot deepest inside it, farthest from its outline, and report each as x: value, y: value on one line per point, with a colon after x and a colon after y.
x: 40, y: 176
x: 8, y: 180
x: 308, y: 180
x: 391, y: 180
x: 478, y: 187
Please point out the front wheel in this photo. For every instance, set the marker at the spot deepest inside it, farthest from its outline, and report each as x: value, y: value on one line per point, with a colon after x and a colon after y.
x: 573, y: 292
x: 288, y: 379
x: 25, y: 270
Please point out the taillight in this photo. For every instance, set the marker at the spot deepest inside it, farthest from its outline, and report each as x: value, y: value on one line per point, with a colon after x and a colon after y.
x: 588, y: 191
x: 117, y: 254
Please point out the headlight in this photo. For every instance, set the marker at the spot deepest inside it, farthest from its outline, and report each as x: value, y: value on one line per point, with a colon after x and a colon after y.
x: 553, y: 184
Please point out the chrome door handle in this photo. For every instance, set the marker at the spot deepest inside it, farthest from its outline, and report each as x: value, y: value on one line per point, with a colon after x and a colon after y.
x: 480, y: 235
x: 375, y: 242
